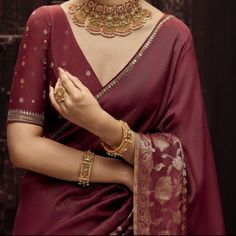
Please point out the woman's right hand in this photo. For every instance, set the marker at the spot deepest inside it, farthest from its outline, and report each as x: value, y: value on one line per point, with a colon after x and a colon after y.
x: 79, y: 105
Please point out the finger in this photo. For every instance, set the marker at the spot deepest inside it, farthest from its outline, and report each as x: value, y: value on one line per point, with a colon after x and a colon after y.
x: 53, y: 101
x: 77, y: 83
x: 62, y: 104
x: 60, y: 107
x: 66, y: 82
x: 58, y: 83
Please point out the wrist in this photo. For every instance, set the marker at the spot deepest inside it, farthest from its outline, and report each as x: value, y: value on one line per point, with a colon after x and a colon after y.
x: 125, y: 174
x: 128, y: 177
x: 96, y: 125
x: 108, y: 129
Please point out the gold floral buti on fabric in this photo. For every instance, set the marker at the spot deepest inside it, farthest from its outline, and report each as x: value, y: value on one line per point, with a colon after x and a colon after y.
x: 160, y: 189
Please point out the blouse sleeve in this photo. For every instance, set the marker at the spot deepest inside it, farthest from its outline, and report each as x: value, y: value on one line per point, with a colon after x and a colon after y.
x: 176, y: 190
x: 28, y: 91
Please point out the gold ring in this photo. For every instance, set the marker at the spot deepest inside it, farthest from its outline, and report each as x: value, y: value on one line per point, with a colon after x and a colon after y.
x: 60, y: 94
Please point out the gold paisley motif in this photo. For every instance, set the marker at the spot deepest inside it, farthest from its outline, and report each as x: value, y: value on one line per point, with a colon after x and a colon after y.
x: 166, y: 215
x: 161, y: 144
x: 177, y: 163
x: 164, y: 189
x: 176, y: 216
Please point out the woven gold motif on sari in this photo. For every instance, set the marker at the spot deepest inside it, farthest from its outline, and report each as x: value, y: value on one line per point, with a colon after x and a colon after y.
x: 160, y: 186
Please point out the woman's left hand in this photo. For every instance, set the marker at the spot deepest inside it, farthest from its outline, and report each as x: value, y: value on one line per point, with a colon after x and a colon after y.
x: 79, y: 106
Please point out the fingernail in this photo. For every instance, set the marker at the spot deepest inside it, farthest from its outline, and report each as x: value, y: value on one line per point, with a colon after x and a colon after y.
x: 60, y: 70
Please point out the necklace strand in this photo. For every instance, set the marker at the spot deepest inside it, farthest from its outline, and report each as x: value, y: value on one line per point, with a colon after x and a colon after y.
x: 110, y: 20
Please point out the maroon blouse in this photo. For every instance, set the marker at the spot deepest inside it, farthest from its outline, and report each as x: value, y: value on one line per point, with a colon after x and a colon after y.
x: 158, y: 93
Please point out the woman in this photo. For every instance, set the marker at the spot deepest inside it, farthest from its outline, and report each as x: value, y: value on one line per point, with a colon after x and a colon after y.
x: 107, y: 92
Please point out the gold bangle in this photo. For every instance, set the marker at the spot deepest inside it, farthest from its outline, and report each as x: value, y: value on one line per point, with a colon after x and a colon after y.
x: 85, y: 169
x: 126, y: 141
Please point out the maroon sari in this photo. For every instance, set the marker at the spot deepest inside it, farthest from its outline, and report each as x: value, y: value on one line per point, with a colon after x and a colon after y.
x: 158, y: 94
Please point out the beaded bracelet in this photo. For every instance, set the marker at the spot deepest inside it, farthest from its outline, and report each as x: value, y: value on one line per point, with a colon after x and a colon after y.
x: 85, y: 169
x: 126, y: 141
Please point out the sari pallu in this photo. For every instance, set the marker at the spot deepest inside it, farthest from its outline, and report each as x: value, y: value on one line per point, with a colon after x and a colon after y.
x: 158, y: 94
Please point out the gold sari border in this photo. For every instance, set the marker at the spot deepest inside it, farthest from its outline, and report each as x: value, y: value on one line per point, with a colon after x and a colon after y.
x: 20, y: 115
x: 169, y: 189
x: 135, y: 188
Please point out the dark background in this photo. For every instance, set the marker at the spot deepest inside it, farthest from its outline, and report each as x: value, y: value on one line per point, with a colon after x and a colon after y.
x: 213, y: 23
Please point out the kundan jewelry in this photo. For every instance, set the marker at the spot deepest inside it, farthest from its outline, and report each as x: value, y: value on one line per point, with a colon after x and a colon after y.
x: 60, y: 94
x: 110, y: 20
x: 85, y: 169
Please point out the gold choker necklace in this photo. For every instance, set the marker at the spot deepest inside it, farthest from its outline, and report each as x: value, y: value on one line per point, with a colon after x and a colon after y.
x: 110, y: 20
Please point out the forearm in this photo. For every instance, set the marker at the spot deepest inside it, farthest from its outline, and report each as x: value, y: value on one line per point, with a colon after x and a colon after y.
x: 51, y: 158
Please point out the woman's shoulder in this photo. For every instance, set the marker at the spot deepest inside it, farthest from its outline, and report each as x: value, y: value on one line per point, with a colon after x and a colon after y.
x: 44, y: 13
x: 41, y: 18
x: 171, y: 25
x: 178, y: 28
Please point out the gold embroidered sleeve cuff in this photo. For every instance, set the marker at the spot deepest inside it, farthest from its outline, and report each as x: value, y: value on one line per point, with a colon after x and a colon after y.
x: 18, y: 115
